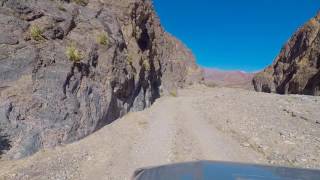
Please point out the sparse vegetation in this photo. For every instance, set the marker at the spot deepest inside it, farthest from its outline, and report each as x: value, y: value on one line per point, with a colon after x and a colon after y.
x: 130, y: 59
x: 61, y: 8
x: 36, y: 33
x: 143, y: 124
x: 146, y: 65
x: 73, y: 54
x: 211, y: 84
x: 174, y: 93
x: 81, y: 2
x: 102, y: 39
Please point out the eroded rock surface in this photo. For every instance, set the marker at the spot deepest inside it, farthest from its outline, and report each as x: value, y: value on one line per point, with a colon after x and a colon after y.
x: 296, y: 70
x: 47, y: 100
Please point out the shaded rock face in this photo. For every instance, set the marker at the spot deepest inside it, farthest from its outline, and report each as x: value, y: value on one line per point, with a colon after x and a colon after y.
x: 47, y: 100
x: 296, y: 70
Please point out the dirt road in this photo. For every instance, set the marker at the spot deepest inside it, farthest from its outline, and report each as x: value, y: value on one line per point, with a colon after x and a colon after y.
x: 199, y: 124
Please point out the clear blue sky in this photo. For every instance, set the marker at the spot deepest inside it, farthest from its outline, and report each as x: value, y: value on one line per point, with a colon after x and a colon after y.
x: 235, y: 34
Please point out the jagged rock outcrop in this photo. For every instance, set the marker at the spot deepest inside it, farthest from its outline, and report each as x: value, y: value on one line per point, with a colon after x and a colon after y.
x: 126, y: 62
x: 296, y: 70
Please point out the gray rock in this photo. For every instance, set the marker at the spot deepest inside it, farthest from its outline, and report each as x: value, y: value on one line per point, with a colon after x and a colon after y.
x: 8, y: 39
x: 54, y: 100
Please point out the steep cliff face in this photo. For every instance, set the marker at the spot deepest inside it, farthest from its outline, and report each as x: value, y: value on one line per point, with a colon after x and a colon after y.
x: 67, y: 68
x: 296, y: 70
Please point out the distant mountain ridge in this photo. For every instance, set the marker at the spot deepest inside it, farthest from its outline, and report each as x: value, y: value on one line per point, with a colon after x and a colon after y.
x: 213, y: 76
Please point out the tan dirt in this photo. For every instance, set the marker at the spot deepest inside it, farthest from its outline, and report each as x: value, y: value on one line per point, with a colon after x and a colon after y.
x: 199, y: 124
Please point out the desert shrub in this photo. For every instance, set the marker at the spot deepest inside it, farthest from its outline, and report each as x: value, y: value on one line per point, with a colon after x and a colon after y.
x: 130, y: 59
x: 174, y: 93
x: 36, y: 33
x: 81, y: 2
x: 61, y: 8
x: 73, y: 54
x: 146, y: 65
x: 210, y: 84
x: 102, y: 39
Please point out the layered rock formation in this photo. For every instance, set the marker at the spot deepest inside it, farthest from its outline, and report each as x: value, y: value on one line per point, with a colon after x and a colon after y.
x: 296, y: 70
x: 216, y: 77
x: 69, y: 67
